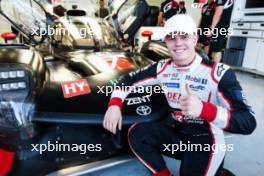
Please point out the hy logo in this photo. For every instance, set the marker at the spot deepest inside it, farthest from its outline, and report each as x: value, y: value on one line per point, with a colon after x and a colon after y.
x: 75, y: 88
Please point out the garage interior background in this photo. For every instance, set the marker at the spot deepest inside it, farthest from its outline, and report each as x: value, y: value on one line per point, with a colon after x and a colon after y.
x: 84, y: 4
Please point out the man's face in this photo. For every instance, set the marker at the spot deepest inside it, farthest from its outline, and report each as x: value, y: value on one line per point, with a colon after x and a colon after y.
x: 181, y: 46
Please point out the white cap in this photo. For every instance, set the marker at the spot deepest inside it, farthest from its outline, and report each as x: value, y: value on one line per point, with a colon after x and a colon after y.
x: 180, y: 23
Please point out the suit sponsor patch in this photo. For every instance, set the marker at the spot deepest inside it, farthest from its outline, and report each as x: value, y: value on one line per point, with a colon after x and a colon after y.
x: 219, y: 71
x: 171, y: 85
x: 196, y: 79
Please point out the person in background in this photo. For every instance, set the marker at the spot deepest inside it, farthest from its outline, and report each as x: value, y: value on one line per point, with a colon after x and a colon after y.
x: 168, y: 8
x: 102, y: 12
x: 208, y: 11
x: 220, y: 21
x: 59, y: 10
x: 182, y: 8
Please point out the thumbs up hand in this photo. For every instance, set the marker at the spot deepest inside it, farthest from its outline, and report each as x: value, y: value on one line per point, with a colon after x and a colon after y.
x: 190, y: 103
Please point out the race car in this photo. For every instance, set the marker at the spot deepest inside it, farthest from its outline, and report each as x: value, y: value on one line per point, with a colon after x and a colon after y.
x: 51, y: 102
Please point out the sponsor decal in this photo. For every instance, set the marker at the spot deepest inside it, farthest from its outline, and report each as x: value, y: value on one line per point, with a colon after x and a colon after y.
x: 196, y: 79
x: 137, y: 100
x: 167, y: 7
x: 75, y: 88
x: 119, y: 63
x: 228, y: 4
x: 131, y: 74
x: 173, y: 97
x: 139, y: 70
x: 196, y: 87
x: 220, y: 70
x: 178, y: 116
x: 166, y: 75
x: 113, y: 82
x: 162, y: 62
x: 172, y: 85
x: 193, y: 120
x: 198, y: 4
x: 143, y: 110
x: 172, y: 76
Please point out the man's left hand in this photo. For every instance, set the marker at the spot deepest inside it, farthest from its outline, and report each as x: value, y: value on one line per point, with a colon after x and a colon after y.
x: 190, y: 103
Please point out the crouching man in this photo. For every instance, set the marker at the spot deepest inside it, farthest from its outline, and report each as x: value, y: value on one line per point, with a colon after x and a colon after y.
x: 207, y: 100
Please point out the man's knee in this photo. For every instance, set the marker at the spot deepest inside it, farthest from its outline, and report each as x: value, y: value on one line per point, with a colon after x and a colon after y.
x: 140, y: 133
x: 136, y: 131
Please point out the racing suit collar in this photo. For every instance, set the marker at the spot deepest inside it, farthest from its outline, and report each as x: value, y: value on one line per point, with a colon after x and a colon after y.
x: 196, y: 62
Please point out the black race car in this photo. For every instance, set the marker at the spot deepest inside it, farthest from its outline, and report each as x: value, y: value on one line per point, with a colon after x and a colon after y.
x: 51, y: 109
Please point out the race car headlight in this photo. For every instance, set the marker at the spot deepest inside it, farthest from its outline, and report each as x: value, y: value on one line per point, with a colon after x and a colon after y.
x: 16, y: 86
x: 12, y: 74
x: 13, y: 86
x: 14, y: 82
x: 4, y: 75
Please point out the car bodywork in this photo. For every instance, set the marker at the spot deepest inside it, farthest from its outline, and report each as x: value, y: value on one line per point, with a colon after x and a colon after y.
x: 39, y: 104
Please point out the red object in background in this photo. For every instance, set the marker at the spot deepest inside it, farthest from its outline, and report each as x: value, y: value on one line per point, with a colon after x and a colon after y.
x: 8, y: 36
x: 120, y: 64
x: 199, y: 1
x: 147, y: 34
x: 175, y: 4
x: 56, y: 1
x: 6, y: 161
x: 75, y: 88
